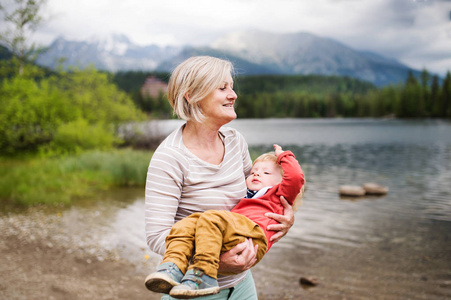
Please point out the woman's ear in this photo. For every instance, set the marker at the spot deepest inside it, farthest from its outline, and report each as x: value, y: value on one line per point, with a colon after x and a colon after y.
x: 187, y: 96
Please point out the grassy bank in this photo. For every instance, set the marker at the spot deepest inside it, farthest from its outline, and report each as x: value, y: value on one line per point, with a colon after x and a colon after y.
x: 56, y: 181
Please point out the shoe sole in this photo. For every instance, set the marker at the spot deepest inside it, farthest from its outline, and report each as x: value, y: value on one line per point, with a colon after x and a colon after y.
x: 188, y: 294
x: 160, y: 283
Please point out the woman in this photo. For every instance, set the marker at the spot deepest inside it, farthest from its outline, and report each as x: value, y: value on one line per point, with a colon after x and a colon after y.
x: 202, y: 166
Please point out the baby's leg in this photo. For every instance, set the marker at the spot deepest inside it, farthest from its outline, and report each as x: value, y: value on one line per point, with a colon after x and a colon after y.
x: 179, y: 249
x: 214, y: 228
x: 210, y: 229
x: 218, y: 231
x: 180, y: 242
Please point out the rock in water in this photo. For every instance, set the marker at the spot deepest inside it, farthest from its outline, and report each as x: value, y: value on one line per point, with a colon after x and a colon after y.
x: 352, y: 190
x: 375, y: 189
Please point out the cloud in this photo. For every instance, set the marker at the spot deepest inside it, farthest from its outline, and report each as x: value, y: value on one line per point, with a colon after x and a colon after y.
x: 416, y: 32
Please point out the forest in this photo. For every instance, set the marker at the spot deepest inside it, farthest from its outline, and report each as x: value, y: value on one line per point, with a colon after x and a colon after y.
x: 316, y: 96
x: 49, y: 111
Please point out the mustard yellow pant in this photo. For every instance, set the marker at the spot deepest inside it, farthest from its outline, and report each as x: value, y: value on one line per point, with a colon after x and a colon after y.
x: 207, y: 235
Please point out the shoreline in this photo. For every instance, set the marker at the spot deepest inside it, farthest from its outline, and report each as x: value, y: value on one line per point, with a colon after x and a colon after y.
x: 98, y: 251
x: 40, y: 270
x: 43, y: 257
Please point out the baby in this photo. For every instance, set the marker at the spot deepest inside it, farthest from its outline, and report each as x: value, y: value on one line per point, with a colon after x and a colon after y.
x: 210, y: 233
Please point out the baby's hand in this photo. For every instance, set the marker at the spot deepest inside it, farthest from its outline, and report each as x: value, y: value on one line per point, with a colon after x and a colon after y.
x: 277, y: 150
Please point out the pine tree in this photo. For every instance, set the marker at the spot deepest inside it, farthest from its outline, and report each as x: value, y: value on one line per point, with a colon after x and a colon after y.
x: 411, y: 105
x: 435, y: 97
x: 446, y: 96
x: 425, y: 93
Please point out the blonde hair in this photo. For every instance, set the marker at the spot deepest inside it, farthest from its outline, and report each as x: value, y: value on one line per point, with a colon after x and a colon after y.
x: 270, y: 156
x: 196, y: 77
x: 298, y: 200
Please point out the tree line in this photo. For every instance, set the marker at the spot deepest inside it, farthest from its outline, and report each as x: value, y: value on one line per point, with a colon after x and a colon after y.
x: 66, y: 111
x: 316, y: 96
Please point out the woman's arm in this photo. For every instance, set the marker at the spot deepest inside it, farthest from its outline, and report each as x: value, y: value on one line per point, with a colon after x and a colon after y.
x: 163, y: 191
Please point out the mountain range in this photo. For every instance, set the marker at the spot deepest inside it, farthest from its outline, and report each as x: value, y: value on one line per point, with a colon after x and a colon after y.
x: 252, y: 52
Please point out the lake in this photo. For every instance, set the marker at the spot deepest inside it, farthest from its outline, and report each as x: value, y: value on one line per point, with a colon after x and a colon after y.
x: 396, y: 246
x: 393, y: 247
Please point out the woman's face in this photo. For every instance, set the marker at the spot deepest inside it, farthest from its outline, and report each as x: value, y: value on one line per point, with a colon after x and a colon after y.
x: 218, y: 106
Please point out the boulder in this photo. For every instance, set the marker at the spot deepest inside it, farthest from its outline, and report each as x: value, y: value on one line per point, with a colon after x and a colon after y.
x: 375, y: 189
x: 351, y: 190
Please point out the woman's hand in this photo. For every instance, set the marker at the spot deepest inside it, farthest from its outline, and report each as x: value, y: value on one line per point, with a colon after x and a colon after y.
x: 285, y: 221
x: 238, y: 259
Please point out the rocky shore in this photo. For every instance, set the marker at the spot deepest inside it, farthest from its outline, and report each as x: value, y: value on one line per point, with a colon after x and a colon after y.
x: 55, y: 256
x: 36, y: 265
x: 40, y: 270
x: 97, y: 250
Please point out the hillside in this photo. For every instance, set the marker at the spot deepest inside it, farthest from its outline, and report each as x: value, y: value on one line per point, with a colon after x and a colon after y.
x: 252, y: 52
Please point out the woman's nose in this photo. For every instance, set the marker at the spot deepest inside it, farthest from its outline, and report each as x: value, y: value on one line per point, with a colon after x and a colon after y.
x: 232, y: 95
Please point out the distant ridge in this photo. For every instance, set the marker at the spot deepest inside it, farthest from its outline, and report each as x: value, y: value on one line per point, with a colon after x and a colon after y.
x: 252, y: 52
x: 305, y: 53
x: 115, y: 53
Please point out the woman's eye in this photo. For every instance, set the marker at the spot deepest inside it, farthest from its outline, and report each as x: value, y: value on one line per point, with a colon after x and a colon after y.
x: 222, y: 88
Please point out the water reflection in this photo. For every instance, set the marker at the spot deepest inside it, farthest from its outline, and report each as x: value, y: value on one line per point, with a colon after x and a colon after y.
x: 344, y: 131
x: 395, y: 246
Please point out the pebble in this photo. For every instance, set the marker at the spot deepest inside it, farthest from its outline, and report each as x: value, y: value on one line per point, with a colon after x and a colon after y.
x: 310, y: 281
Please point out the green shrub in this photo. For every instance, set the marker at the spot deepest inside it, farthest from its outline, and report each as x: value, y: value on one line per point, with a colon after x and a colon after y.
x: 30, y: 114
x: 34, y: 112
x: 77, y: 136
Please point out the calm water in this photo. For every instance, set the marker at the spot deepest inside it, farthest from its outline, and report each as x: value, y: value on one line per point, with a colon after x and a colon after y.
x: 393, y: 247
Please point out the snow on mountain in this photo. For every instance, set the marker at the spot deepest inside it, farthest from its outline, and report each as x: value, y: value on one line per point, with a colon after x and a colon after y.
x: 252, y: 52
x: 113, y: 53
x: 115, y: 44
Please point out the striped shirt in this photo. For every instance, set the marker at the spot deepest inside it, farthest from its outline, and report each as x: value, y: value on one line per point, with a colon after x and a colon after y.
x: 179, y: 184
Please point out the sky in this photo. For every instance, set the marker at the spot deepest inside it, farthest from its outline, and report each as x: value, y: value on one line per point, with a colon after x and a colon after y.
x: 414, y: 32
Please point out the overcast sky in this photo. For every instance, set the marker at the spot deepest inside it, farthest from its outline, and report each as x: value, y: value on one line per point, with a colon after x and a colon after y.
x: 415, y: 32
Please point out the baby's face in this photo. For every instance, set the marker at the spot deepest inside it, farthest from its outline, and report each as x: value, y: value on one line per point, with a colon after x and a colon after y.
x: 263, y: 173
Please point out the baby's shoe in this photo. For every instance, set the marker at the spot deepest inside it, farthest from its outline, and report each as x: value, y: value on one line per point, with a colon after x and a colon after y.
x: 165, y: 278
x: 195, y: 283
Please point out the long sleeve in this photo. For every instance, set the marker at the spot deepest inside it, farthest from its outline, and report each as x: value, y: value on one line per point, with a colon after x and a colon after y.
x: 163, y: 192
x: 293, y: 177
x: 179, y: 183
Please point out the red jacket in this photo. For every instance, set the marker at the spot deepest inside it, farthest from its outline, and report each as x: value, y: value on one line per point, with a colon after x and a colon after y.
x: 292, y: 182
